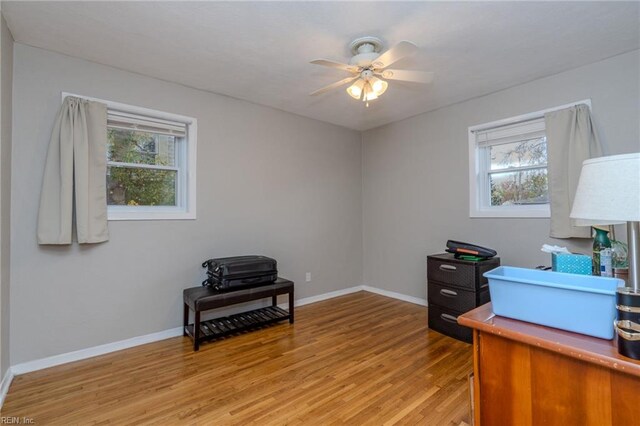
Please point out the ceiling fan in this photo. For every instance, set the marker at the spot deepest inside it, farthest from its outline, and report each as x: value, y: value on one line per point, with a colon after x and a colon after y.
x: 369, y: 69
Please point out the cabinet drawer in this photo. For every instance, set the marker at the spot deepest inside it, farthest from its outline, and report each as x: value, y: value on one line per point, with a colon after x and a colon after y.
x: 451, y: 273
x: 444, y: 321
x: 451, y: 297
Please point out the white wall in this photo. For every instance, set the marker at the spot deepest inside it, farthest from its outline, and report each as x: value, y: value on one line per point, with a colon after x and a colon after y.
x: 269, y: 182
x: 415, y: 173
x: 6, y: 81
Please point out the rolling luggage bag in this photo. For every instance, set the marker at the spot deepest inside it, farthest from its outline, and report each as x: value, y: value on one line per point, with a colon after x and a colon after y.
x: 231, y: 273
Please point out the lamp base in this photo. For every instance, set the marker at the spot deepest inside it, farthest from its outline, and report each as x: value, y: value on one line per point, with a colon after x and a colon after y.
x: 629, y: 348
x: 628, y: 324
x: 633, y: 242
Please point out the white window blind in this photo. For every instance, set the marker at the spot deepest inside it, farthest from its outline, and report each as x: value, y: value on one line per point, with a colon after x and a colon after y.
x: 126, y: 121
x: 530, y: 129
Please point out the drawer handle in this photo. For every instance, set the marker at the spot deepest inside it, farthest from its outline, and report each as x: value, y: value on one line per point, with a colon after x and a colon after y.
x: 448, y: 293
x: 449, y: 318
x: 448, y: 268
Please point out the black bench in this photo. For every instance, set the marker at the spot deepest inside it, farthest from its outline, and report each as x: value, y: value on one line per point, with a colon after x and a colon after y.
x: 199, y: 299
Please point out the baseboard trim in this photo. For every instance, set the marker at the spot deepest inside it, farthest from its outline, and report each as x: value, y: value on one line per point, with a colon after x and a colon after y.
x: 394, y: 295
x: 4, y: 385
x: 326, y: 296
x: 52, y: 361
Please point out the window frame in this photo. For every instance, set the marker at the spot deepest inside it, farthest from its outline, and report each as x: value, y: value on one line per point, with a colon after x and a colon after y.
x: 185, y: 193
x: 479, y: 197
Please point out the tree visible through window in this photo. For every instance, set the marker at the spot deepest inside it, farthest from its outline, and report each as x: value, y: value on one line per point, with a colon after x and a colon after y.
x: 151, y: 163
x: 508, y: 168
x: 518, y: 172
x: 141, y: 168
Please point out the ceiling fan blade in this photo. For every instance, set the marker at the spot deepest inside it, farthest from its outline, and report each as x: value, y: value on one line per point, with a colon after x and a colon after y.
x: 332, y: 64
x: 334, y: 85
x: 397, y: 52
x: 406, y: 75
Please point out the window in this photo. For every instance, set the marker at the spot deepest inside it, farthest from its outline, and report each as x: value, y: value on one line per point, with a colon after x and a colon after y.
x: 508, y: 167
x: 512, y: 169
x: 518, y: 172
x: 150, y: 164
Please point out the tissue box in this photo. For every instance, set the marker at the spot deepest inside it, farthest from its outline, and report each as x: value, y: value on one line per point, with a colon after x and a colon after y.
x: 571, y: 263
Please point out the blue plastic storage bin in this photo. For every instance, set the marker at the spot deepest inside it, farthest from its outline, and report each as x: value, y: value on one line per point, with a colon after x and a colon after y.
x: 579, y: 303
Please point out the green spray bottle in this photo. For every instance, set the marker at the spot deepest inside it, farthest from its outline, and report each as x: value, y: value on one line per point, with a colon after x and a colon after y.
x: 601, y: 242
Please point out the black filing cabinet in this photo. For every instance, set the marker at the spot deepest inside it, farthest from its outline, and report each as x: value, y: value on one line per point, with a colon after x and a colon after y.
x: 455, y: 286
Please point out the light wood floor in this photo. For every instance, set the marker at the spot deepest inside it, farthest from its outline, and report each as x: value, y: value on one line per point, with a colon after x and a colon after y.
x: 356, y: 359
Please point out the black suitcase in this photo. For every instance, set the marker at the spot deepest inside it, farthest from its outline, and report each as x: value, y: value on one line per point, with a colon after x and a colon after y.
x: 231, y: 273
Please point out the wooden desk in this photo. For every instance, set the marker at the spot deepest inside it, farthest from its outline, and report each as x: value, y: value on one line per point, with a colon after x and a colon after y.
x: 527, y: 374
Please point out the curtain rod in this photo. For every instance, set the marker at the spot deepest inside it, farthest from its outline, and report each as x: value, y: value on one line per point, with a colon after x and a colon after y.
x: 509, y: 124
x: 528, y: 117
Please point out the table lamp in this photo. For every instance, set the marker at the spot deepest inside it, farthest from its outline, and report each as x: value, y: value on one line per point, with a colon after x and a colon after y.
x: 609, y: 193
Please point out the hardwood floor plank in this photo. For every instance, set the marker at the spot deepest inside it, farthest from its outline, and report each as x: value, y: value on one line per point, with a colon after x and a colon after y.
x: 357, y: 359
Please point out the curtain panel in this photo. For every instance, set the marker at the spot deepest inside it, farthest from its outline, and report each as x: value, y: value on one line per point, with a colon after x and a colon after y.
x: 571, y: 139
x: 74, y: 183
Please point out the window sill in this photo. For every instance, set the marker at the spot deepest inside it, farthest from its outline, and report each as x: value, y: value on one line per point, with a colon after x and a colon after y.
x: 513, y: 212
x: 150, y: 215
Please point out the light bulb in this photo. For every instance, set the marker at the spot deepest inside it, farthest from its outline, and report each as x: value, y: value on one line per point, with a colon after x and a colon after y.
x: 371, y: 96
x: 355, y: 90
x: 378, y: 86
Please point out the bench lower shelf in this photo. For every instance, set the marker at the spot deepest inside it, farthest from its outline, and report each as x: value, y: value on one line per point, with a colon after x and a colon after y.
x: 238, y: 323
x: 201, y: 299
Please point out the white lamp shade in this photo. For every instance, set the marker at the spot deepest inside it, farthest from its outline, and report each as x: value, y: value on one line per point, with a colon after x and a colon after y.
x: 608, y: 191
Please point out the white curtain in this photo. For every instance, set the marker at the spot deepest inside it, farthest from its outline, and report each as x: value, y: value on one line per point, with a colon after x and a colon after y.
x: 75, y: 173
x: 571, y: 139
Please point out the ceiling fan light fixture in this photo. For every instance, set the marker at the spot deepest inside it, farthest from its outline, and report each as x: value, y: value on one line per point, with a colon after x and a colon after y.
x: 378, y: 86
x: 369, y: 93
x: 368, y: 69
x: 371, y: 96
x: 367, y: 89
x: 355, y: 90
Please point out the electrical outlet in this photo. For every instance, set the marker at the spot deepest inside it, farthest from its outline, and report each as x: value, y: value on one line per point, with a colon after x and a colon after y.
x: 308, y: 277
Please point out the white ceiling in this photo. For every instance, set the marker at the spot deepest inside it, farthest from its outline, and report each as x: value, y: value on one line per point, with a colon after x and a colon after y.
x: 260, y: 51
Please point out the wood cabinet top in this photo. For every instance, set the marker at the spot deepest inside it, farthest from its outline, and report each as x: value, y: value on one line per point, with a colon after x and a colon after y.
x: 586, y: 348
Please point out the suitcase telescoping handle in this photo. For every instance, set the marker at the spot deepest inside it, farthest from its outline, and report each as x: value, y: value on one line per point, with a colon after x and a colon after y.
x: 207, y: 264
